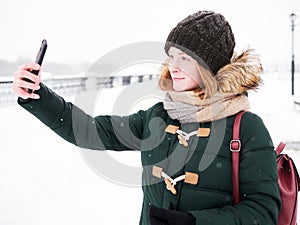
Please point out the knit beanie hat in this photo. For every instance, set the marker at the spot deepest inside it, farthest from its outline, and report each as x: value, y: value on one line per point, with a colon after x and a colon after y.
x: 206, y: 36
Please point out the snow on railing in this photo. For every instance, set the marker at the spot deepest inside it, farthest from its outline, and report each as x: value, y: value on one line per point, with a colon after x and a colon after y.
x: 293, y: 145
x: 71, y: 84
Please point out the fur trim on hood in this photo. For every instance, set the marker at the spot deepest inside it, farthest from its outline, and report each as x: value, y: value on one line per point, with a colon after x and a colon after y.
x: 241, y: 74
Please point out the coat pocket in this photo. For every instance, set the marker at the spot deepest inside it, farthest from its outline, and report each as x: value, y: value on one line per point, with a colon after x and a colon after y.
x: 197, y: 198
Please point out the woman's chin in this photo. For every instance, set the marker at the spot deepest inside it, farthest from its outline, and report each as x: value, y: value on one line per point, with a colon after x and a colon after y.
x: 178, y: 88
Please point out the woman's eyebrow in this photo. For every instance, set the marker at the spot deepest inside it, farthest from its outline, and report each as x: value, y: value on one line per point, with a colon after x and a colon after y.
x: 179, y: 53
x: 186, y: 55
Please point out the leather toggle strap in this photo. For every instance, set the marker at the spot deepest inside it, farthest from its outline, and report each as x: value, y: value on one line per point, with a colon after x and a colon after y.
x: 156, y: 171
x: 171, y: 129
x: 203, y: 132
x: 191, y: 178
x: 183, y: 137
x: 188, y: 177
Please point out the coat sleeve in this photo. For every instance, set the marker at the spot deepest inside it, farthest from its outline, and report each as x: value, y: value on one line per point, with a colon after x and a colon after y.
x: 259, y: 191
x: 81, y: 129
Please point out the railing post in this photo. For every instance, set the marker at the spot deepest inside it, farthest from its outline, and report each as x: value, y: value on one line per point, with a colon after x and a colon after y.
x: 140, y: 78
x: 126, y: 80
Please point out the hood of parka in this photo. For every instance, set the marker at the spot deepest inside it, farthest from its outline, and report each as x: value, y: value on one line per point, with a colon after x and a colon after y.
x: 241, y: 74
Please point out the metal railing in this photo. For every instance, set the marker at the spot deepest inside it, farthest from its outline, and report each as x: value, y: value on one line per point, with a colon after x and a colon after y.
x: 69, y: 85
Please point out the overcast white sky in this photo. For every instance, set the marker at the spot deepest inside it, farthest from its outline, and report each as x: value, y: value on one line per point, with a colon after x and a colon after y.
x: 85, y: 30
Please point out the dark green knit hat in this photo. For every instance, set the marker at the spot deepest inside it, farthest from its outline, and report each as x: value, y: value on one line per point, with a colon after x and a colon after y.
x: 206, y: 36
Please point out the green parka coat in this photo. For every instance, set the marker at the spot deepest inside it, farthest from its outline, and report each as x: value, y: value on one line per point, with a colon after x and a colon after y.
x: 210, y: 200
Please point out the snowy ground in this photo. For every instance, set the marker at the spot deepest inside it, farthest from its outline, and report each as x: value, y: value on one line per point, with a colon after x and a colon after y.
x: 44, y: 180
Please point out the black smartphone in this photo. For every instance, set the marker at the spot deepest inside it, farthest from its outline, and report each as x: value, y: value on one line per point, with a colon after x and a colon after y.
x: 39, y: 58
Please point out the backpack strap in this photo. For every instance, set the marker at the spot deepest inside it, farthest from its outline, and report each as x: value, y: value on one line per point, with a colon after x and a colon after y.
x: 280, y: 148
x: 235, y: 147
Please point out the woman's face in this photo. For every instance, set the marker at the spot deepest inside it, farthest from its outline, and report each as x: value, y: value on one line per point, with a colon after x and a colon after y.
x: 184, y: 71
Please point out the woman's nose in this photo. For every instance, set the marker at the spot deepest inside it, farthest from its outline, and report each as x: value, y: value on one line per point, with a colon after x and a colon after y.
x: 174, y: 69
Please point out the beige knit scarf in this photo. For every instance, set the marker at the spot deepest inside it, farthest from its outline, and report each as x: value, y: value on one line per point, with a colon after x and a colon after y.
x: 188, y: 107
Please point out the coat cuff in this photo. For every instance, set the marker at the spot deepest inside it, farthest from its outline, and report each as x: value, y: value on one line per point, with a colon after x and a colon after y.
x: 47, y: 107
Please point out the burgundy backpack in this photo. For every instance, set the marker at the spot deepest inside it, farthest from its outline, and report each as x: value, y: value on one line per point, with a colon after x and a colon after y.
x: 288, y: 177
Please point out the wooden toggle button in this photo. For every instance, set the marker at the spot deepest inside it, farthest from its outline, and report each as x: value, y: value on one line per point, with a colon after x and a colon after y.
x: 170, y: 186
x: 182, y: 140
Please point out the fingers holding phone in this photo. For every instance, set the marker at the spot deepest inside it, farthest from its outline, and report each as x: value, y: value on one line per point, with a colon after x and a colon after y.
x: 25, y: 80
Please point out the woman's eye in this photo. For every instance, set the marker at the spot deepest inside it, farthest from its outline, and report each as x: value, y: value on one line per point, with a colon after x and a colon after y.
x: 185, y: 58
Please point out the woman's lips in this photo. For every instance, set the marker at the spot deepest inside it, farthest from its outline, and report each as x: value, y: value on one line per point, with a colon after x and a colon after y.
x: 178, y: 78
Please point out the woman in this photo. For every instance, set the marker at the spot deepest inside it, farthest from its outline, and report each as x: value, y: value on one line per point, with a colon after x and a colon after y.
x: 186, y: 161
